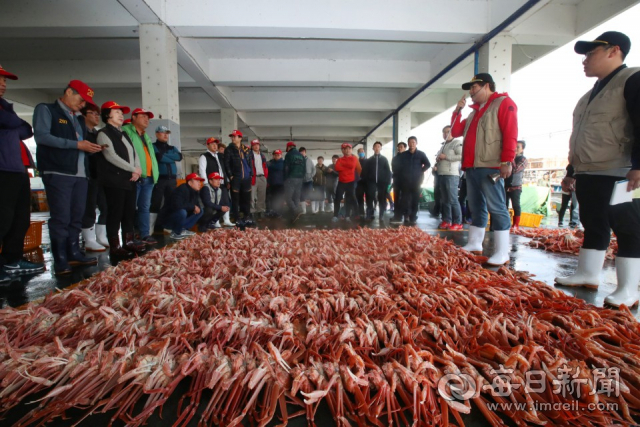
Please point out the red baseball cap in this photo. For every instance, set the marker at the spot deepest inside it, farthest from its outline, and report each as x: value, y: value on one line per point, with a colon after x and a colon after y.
x: 214, y: 175
x: 142, y: 111
x: 236, y: 133
x: 291, y: 144
x: 113, y: 105
x: 212, y: 140
x: 345, y: 145
x: 255, y: 141
x: 277, y: 152
x: 83, y: 89
x: 193, y: 176
x: 126, y: 121
x: 7, y: 74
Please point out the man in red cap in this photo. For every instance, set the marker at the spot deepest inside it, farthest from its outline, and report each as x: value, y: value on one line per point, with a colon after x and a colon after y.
x: 294, y: 170
x: 62, y: 145
x: 238, y: 168
x: 15, y: 201
x: 275, y: 185
x: 215, y: 199
x: 347, y: 166
x: 182, y: 211
x: 259, y: 177
x: 137, y: 132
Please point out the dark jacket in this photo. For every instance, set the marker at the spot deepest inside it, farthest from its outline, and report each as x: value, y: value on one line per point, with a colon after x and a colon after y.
x: 276, y: 172
x: 236, y: 162
x: 519, y: 164
x: 320, y: 178
x: 265, y: 169
x: 384, y: 171
x: 396, y: 166
x: 207, y: 197
x: 12, y: 131
x: 92, y: 136
x: 63, y: 160
x: 167, y: 156
x: 295, y: 164
x: 412, y: 166
x: 108, y: 174
x: 183, y: 197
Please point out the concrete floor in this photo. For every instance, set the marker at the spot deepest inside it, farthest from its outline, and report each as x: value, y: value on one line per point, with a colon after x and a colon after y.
x: 544, y: 265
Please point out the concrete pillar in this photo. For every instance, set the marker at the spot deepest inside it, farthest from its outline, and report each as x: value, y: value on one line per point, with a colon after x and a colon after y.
x: 159, y: 71
x: 494, y: 58
x: 228, y: 122
x: 401, y: 126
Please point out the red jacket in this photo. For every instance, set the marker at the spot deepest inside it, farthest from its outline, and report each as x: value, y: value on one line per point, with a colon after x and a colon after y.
x: 347, y: 167
x: 508, y: 120
x: 253, y: 167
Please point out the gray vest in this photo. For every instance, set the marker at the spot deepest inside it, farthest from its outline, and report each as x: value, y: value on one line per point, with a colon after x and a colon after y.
x: 488, y: 136
x: 602, y: 135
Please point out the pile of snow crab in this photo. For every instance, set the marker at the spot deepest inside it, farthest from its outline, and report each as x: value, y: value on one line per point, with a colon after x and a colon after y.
x: 561, y: 240
x: 383, y: 327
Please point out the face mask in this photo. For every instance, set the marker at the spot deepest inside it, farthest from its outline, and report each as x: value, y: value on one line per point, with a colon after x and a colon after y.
x: 361, y: 155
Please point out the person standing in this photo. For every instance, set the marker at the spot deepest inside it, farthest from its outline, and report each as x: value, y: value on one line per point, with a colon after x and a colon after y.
x: 137, y: 132
x: 604, y: 149
x: 182, y: 211
x: 166, y: 157
x: 489, y: 146
x: 347, y: 167
x: 213, y: 161
x: 62, y: 159
x: 570, y: 201
x: 307, y: 181
x: 413, y: 164
x: 275, y: 184
x: 449, y: 179
x: 215, y: 199
x: 331, y: 183
x: 260, y: 174
x: 377, y: 175
x: 513, y: 184
x: 319, y: 184
x: 398, y: 208
x: 94, y: 235
x: 15, y: 160
x: 118, y: 170
x: 361, y: 186
x: 237, y: 165
x: 294, y: 170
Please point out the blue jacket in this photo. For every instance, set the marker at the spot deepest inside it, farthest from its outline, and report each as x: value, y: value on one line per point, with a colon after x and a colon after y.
x: 167, y: 156
x: 276, y: 172
x: 12, y: 131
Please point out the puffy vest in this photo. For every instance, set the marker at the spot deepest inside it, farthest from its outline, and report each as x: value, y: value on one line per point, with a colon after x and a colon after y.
x: 488, y: 136
x: 52, y: 159
x: 602, y: 135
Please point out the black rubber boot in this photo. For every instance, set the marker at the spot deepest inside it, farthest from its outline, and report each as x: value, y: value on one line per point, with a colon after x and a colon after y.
x: 60, y: 262
x: 75, y: 256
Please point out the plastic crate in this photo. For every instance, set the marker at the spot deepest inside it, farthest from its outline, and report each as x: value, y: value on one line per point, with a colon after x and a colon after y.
x: 33, y: 238
x: 530, y: 220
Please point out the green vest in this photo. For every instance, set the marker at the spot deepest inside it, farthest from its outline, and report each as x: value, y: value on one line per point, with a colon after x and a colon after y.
x: 137, y: 144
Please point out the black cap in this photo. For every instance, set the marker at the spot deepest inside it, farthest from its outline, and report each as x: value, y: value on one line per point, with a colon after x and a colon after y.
x: 612, y: 38
x: 478, y: 78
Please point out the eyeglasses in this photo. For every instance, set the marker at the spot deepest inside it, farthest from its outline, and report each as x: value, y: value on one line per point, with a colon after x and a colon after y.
x: 593, y: 51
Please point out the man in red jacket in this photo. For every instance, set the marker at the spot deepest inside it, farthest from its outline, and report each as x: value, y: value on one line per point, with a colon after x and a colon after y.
x: 346, y: 166
x: 490, y: 134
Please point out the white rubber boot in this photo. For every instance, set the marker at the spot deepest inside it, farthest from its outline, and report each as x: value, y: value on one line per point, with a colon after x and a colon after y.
x: 90, y: 244
x: 320, y: 206
x: 587, y: 274
x: 314, y: 207
x: 474, y: 240
x: 101, y: 235
x: 227, y: 222
x: 329, y: 207
x: 628, y: 272
x: 501, y: 254
x: 152, y: 223
x: 303, y: 207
